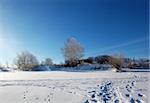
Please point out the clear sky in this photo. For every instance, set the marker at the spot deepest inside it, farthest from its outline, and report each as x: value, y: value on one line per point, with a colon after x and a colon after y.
x: 101, y: 26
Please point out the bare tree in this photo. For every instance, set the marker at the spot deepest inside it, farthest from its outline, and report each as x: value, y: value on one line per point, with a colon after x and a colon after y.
x: 0, y: 65
x: 26, y: 61
x: 48, y: 62
x: 72, y: 50
x: 7, y: 64
x: 117, y: 61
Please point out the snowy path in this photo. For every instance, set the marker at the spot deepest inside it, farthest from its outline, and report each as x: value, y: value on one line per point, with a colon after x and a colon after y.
x: 74, y: 87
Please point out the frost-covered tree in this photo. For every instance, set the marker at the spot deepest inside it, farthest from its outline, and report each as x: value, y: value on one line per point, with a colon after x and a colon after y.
x: 26, y: 61
x: 72, y: 50
x: 48, y: 62
x: 117, y: 61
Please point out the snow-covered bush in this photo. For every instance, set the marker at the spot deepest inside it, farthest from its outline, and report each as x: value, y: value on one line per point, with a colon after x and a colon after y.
x: 47, y: 62
x: 26, y: 61
x: 42, y: 68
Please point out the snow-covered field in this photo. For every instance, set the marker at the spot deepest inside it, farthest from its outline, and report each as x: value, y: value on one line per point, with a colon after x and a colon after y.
x: 74, y: 87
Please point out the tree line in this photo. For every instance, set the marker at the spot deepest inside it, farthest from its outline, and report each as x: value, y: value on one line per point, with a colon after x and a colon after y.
x: 73, y: 54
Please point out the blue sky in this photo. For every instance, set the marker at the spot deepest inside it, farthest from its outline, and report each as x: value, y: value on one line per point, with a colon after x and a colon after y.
x: 101, y: 26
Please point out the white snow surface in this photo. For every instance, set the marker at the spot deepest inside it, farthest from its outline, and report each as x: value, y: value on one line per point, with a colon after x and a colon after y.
x: 74, y: 87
